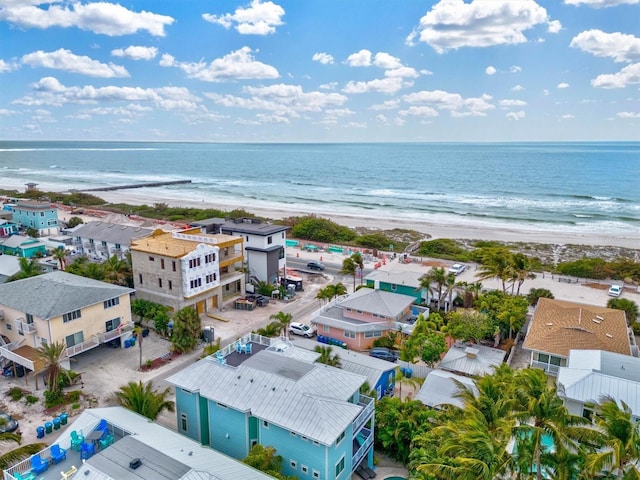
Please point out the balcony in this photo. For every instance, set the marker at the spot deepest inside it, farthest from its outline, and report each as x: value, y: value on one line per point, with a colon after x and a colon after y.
x: 361, y: 445
x: 93, y: 342
x: 364, y: 416
x: 549, y: 369
x: 23, y: 326
x: 116, y: 333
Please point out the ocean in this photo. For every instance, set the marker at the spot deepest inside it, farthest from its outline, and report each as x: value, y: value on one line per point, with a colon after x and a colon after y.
x: 581, y: 187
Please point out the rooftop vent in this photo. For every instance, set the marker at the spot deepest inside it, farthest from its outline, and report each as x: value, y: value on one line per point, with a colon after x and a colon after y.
x: 135, y: 463
x: 599, y: 317
x: 549, y: 324
x: 472, y: 352
x: 609, y: 335
x: 595, y: 320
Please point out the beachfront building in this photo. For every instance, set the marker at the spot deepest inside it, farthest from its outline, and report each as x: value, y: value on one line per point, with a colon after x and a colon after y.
x: 381, y: 374
x: 188, y: 268
x: 361, y: 317
x: 60, y: 307
x: 558, y: 326
x: 254, y: 392
x: 136, y: 448
x: 405, y: 282
x: 41, y: 216
x: 22, y: 246
x: 472, y: 360
x: 8, y: 227
x: 592, y: 374
x: 104, y: 239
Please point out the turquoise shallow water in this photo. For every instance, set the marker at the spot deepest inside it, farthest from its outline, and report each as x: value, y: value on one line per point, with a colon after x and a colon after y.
x: 579, y: 186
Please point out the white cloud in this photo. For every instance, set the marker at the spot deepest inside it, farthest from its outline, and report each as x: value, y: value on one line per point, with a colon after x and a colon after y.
x: 382, y: 85
x: 453, y: 102
x: 628, y: 114
x: 402, y: 72
x: 515, y: 115
x: 132, y: 110
x: 323, y: 58
x: 282, y: 99
x: 356, y: 125
x: 419, y: 112
x: 452, y: 24
x: 135, y: 52
x: 329, y: 86
x: 490, y: 70
x: 259, y: 18
x: 381, y: 118
x: 517, y: 88
x: 7, y: 112
x: 69, y: 62
x: 99, y: 17
x: 546, y: 92
x: 359, y: 59
x: 554, y: 26
x: 384, y: 60
x: 6, y: 67
x: 515, y: 69
x: 567, y: 116
x: 387, y: 105
x: 507, y: 103
x: 629, y: 75
x: 235, y: 65
x: 562, y: 85
x: 619, y: 46
x: 601, y: 3
x: 49, y: 91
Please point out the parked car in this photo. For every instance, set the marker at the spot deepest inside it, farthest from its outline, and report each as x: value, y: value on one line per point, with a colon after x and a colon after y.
x: 313, y: 265
x: 615, y: 290
x: 384, y: 353
x: 7, y: 424
x: 457, y: 268
x: 303, y: 329
x: 7, y: 371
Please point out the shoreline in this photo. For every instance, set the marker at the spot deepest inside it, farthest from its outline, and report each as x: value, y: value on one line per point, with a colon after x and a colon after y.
x: 514, y: 233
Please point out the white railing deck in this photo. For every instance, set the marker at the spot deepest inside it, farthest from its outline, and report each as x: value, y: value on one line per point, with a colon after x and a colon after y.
x: 362, y: 451
x: 366, y: 413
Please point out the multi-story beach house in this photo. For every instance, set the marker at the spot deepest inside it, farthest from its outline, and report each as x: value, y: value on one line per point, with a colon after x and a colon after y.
x: 8, y: 227
x: 60, y: 307
x: 264, y: 244
x: 405, y: 282
x: 254, y: 392
x: 42, y: 216
x: 361, y: 317
x: 558, y: 326
x: 104, y: 239
x: 188, y: 268
x: 22, y: 246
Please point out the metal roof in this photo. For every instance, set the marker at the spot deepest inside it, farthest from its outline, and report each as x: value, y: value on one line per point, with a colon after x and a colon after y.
x: 56, y: 293
x: 472, y: 360
x: 386, y: 304
x: 396, y: 277
x: 15, y: 241
x: 110, y: 232
x: 308, y: 399
x: 609, y: 363
x: 165, y: 453
x: 262, y: 229
x: 440, y: 388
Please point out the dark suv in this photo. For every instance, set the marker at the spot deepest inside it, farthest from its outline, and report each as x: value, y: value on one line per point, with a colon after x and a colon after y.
x: 384, y: 353
x: 313, y: 265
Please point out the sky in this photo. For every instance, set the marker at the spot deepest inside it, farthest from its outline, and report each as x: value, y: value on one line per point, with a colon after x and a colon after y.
x: 320, y: 70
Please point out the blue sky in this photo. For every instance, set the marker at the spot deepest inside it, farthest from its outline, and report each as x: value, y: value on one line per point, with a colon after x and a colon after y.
x: 320, y: 70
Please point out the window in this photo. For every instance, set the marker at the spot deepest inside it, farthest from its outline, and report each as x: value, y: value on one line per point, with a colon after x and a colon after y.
x: 104, y: 244
x: 304, y: 469
x: 282, y: 234
x: 210, y: 258
x: 42, y: 214
x: 293, y: 464
x: 269, y: 240
x: 160, y: 283
x: 91, y: 241
x: 326, y: 328
x: 67, y: 317
x: 111, y: 325
x: 118, y: 247
x: 372, y: 334
x: 195, y: 283
x: 29, y: 318
x: 151, y: 259
x: 43, y: 341
x: 9, y: 327
x: 340, y: 466
x: 340, y: 438
x: 316, y: 474
x: 173, y: 265
x: 170, y: 285
x: 543, y: 357
x: 394, y: 287
x: 74, y: 339
x: 162, y: 263
x: 349, y: 334
x: 194, y: 262
x: 183, y: 422
x: 246, y: 238
x: 112, y: 302
x: 140, y: 278
x: 211, y: 278
x: 555, y: 361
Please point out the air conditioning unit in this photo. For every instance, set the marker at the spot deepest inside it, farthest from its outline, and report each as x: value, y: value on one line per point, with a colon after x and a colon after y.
x: 135, y: 463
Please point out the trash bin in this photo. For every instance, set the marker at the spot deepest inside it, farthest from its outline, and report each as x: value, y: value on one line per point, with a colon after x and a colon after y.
x: 132, y: 341
x: 48, y: 427
x: 63, y: 418
x: 56, y: 423
x: 409, y: 373
x: 127, y: 343
x: 40, y: 432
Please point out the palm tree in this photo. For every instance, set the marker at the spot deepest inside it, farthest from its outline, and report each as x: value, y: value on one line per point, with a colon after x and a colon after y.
x: 496, y: 265
x: 451, y: 285
x: 336, y: 290
x: 52, y: 355
x: 143, y: 399
x: 28, y: 268
x: 137, y: 332
x: 519, y: 270
x: 619, y: 439
x: 425, y: 284
x: 60, y: 254
x: 284, y: 319
x: 327, y: 356
x: 17, y: 454
x: 186, y: 329
x: 349, y: 267
x: 271, y: 330
x: 629, y: 306
x: 437, y: 276
x: 359, y: 262
x: 115, y: 270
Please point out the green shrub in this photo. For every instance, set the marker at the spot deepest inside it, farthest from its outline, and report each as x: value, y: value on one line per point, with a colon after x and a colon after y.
x: 53, y: 399
x: 16, y: 393
x: 442, y: 248
x: 31, y: 399
x: 73, y: 396
x: 374, y: 240
x: 75, y: 406
x: 321, y: 230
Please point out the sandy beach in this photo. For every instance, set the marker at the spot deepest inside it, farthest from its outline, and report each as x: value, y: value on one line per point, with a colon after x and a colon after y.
x: 514, y: 233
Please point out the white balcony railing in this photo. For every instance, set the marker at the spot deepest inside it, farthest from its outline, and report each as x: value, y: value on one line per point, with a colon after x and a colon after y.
x: 363, y: 449
x: 117, y: 333
x: 364, y: 416
x: 23, y: 326
x: 550, y: 369
x: 93, y: 342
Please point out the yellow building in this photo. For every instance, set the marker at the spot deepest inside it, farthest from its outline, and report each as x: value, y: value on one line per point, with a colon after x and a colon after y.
x: 188, y: 268
x: 60, y: 307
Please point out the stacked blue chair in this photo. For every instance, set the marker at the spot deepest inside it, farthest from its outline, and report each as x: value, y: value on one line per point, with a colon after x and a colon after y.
x: 39, y: 464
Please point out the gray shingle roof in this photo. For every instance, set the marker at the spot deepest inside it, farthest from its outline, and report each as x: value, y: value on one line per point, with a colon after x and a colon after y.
x: 309, y: 399
x: 111, y: 232
x: 379, y: 302
x: 56, y: 293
